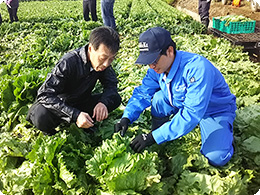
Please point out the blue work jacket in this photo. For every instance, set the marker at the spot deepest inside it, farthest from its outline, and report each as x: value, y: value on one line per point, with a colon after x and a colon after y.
x: 196, y: 90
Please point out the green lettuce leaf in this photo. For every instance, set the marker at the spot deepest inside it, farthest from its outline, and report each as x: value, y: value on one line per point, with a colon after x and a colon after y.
x: 200, y: 183
x: 12, y: 151
x: 117, y: 169
x: 247, y: 121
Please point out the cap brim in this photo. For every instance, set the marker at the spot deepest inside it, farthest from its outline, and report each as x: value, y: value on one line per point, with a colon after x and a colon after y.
x: 145, y: 58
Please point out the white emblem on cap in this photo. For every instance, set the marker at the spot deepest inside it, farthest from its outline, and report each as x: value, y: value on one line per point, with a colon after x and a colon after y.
x: 143, y: 46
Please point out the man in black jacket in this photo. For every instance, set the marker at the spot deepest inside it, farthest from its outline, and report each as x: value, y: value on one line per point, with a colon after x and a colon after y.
x: 66, y: 95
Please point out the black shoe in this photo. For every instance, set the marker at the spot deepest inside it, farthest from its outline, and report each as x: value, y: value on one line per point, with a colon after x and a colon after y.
x: 50, y: 133
x: 205, y: 22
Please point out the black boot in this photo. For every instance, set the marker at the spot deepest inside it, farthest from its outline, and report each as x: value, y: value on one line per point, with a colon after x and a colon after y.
x: 205, y: 21
x: 157, y: 121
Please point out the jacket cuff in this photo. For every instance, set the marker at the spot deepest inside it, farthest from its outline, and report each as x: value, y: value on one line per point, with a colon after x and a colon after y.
x: 158, y: 137
x: 75, y: 115
x: 128, y: 117
x: 103, y: 102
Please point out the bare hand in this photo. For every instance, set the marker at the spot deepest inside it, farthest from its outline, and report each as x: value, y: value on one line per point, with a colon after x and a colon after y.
x: 100, y: 112
x: 84, y: 120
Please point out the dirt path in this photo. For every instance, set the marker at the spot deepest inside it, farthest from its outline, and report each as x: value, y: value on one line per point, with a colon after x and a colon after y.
x: 217, y: 9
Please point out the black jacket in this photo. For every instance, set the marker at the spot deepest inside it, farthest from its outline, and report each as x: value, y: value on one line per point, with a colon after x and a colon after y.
x: 72, y: 81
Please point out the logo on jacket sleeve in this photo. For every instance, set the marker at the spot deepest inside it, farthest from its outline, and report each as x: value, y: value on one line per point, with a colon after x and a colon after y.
x: 192, y: 79
x: 180, y: 88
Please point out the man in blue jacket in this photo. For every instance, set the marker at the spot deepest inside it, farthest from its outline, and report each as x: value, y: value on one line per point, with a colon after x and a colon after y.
x: 189, y: 88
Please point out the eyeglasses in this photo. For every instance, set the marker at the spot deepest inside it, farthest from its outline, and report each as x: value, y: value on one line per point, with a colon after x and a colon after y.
x: 156, y: 61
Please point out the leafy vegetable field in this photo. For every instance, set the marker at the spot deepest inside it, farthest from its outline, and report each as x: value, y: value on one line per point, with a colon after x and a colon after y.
x: 78, y: 162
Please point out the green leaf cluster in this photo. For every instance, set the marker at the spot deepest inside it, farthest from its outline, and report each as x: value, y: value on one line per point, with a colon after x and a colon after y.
x: 119, y: 170
x: 55, y: 165
x: 233, y: 18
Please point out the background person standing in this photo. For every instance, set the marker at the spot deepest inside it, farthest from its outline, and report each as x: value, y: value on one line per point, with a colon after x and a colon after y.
x: 0, y: 19
x: 12, y: 7
x: 107, y: 13
x: 1, y: 1
x: 204, y: 6
x: 90, y: 6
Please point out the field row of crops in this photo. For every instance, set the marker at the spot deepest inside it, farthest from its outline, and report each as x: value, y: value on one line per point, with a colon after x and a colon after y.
x: 75, y: 162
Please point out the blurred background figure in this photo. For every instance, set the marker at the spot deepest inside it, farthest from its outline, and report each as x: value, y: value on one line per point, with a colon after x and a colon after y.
x: 203, y: 9
x: 107, y: 9
x: 90, y: 6
x: 12, y: 7
x: 1, y: 1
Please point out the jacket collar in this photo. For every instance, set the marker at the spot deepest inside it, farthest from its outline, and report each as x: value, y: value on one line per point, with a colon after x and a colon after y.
x: 83, y: 53
x: 174, y: 68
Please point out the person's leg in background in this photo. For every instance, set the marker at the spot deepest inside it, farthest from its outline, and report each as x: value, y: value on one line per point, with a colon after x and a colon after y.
x: 10, y: 11
x: 1, y: 19
x: 93, y: 9
x: 203, y: 9
x: 15, y: 14
x: 217, y: 138
x: 107, y: 11
x: 86, y: 10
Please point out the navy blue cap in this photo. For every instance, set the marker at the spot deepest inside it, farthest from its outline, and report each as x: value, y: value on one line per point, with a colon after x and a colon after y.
x: 151, y: 43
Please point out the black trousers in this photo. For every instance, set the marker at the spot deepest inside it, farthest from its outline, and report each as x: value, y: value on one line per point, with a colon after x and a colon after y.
x: 44, y: 120
x: 13, y: 14
x: 204, y: 6
x: 90, y: 6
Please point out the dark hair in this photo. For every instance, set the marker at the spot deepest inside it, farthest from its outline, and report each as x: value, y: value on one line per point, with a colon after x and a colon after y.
x: 173, y: 44
x: 106, y: 35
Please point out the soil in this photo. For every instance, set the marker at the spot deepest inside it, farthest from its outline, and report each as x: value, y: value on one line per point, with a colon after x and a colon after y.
x: 218, y: 9
x: 249, y: 41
